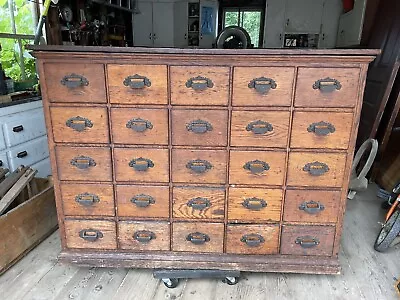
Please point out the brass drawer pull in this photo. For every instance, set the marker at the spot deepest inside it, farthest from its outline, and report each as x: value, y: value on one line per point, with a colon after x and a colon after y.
x: 262, y: 84
x: 199, y: 126
x: 137, y: 82
x: 198, y: 238
x: 254, y: 203
x: 144, y: 236
x: 312, y: 207
x: 199, y: 203
x: 74, y: 80
x: 22, y: 154
x: 87, y: 199
x: 256, y: 166
x: 79, y: 123
x: 141, y: 164
x: 316, y: 168
x: 259, y: 127
x: 307, y: 241
x: 139, y: 125
x: 199, y: 83
x: 321, y: 128
x: 327, y: 85
x: 83, y: 162
x: 90, y: 235
x: 252, y: 239
x: 143, y: 200
x: 199, y: 166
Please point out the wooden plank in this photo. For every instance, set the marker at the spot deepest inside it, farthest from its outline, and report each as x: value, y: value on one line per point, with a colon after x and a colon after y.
x: 138, y: 280
x: 3, y: 172
x: 200, y: 289
x: 10, y: 180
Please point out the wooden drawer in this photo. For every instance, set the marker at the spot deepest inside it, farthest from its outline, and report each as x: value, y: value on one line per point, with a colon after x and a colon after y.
x: 137, y: 84
x: 28, y: 153
x: 199, y: 166
x: 307, y: 240
x: 84, y: 163
x: 75, y: 82
x: 199, y: 203
x: 143, y: 201
x: 80, y: 124
x: 262, y: 86
x: 257, y: 167
x: 311, y: 206
x: 199, y: 127
x: 251, y: 204
x: 327, y: 87
x: 260, y: 128
x: 141, y: 165
x: 198, y: 237
x: 252, y: 239
x: 87, y: 199
x: 199, y: 85
x: 316, y: 169
x: 90, y: 234
x: 321, y: 130
x: 144, y: 236
x: 139, y: 126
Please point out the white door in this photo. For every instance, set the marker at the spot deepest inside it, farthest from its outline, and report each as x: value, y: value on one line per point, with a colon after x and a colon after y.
x: 163, y: 24
x: 330, y: 20
x: 181, y: 24
x: 208, y: 23
x: 143, y: 25
x: 351, y: 25
x: 274, y: 24
x: 303, y: 16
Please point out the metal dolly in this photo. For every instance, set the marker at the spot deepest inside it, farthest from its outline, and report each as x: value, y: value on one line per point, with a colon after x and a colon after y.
x: 170, y: 278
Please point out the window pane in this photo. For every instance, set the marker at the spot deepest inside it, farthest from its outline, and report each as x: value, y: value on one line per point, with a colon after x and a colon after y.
x: 251, y: 21
x: 231, y: 18
x: 22, y: 16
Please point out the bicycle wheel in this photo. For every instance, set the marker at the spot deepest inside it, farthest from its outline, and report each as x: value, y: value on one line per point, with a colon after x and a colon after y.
x: 388, y: 233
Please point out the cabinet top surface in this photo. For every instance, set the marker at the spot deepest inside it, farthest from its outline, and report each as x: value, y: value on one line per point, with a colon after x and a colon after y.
x: 140, y: 50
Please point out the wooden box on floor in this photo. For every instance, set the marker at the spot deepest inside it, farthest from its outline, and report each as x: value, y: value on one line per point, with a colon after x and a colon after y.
x: 26, y: 225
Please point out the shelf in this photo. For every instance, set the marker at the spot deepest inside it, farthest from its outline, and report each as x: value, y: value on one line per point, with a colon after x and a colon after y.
x: 194, y: 17
x: 191, y: 31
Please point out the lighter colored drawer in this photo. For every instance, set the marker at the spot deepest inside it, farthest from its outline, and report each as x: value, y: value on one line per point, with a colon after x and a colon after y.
x: 43, y: 167
x: 29, y: 153
x: 2, y: 143
x: 4, y: 161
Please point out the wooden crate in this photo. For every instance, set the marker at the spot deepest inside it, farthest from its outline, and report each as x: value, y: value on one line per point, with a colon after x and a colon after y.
x: 26, y: 225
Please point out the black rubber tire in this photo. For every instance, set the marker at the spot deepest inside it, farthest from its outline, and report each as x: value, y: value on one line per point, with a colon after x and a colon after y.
x: 229, y: 282
x: 174, y: 283
x: 391, y: 229
x: 234, y: 30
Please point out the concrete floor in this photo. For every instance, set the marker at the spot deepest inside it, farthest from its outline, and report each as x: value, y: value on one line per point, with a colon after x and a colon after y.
x: 366, y: 274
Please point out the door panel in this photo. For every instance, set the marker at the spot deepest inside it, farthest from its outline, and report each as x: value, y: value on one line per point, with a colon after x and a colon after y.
x: 143, y: 25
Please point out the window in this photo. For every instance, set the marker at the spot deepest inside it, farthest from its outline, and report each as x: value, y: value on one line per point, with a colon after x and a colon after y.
x: 17, y: 27
x: 249, y: 19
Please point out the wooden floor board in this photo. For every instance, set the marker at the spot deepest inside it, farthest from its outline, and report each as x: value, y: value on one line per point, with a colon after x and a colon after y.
x: 366, y: 274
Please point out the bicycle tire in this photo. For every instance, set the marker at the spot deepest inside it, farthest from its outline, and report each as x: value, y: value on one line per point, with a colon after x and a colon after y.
x: 388, y: 233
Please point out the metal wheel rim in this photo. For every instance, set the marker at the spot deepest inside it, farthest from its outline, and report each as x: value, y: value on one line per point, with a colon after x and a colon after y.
x: 387, y: 227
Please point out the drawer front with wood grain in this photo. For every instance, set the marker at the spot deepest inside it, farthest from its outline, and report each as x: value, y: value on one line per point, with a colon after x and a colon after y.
x: 199, y: 203
x: 199, y: 166
x: 141, y: 165
x: 144, y: 236
x: 198, y: 237
x: 139, y: 126
x: 28, y: 153
x: 307, y: 240
x: 84, y: 163
x: 311, y: 206
x: 316, y: 169
x: 90, y: 234
x: 143, y: 201
x: 199, y: 127
x: 251, y: 204
x: 87, y: 199
x: 75, y: 82
x: 321, y: 130
x: 257, y: 167
x: 191, y: 85
x: 262, y: 86
x: 260, y: 128
x: 137, y: 84
x: 327, y: 87
x: 81, y: 125
x: 252, y: 239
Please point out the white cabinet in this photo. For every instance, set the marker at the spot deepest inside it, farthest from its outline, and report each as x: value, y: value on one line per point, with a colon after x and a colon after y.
x: 351, y: 25
x: 274, y: 24
x: 303, y: 16
x: 208, y: 23
x: 181, y: 24
x: 153, y: 24
x: 330, y: 20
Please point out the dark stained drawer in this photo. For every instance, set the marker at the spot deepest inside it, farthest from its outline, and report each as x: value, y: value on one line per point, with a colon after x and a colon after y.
x: 144, y: 236
x: 90, y: 234
x: 307, y: 240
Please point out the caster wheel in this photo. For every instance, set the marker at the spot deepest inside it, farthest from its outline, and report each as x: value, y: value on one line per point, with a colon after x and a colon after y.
x: 170, y: 283
x: 231, y: 280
